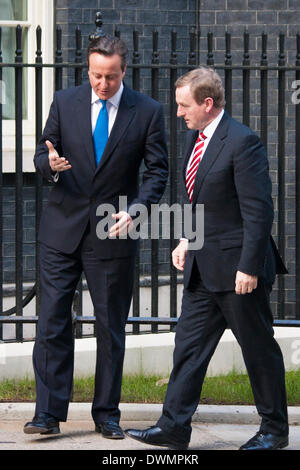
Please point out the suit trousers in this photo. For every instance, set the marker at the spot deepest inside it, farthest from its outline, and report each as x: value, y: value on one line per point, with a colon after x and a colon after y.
x: 110, y: 282
x: 204, y: 317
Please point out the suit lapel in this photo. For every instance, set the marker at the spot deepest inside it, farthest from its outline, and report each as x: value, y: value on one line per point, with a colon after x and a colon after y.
x: 212, y: 152
x: 124, y: 116
x: 83, y: 113
x: 189, y: 145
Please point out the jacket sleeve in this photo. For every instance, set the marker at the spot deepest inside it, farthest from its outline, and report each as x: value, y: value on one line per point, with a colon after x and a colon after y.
x: 51, y: 133
x: 254, y: 189
x: 156, y: 164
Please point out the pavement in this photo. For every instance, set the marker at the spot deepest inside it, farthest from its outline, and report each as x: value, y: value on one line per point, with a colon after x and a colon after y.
x: 213, y: 428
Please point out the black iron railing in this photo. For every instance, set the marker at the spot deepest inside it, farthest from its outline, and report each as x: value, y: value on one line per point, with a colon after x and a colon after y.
x: 156, y: 69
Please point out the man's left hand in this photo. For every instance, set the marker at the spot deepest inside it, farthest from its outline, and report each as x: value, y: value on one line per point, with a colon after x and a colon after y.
x: 245, y: 283
x: 123, y: 226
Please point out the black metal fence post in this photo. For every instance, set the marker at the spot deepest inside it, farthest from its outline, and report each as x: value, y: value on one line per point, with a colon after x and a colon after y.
x: 173, y: 169
x: 58, y: 60
x: 297, y: 169
x: 38, y: 133
x: 78, y: 57
x: 210, y: 54
x: 193, y: 48
x: 246, y: 81
x: 136, y: 287
x: 154, y: 242
x: 228, y: 73
x: 78, y: 302
x: 19, y: 178
x: 281, y: 169
x: 1, y: 186
x: 264, y: 91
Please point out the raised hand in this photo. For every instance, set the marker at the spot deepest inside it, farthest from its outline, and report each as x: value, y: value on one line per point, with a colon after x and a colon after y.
x: 56, y: 162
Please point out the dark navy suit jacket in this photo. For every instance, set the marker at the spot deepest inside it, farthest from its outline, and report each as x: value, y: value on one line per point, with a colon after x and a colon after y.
x: 137, y: 136
x: 233, y: 184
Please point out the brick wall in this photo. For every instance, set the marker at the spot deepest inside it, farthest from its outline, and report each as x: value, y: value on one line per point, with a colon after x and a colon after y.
x: 143, y: 15
x: 272, y: 17
x: 28, y: 221
x: 217, y: 16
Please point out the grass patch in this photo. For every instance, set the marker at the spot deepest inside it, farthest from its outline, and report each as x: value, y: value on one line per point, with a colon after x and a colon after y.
x: 230, y: 389
x: 17, y: 390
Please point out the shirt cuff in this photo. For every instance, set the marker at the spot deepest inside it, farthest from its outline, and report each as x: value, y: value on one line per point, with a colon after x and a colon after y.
x: 55, y: 177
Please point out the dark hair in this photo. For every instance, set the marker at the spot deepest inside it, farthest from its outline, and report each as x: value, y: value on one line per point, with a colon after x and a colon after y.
x: 108, y: 45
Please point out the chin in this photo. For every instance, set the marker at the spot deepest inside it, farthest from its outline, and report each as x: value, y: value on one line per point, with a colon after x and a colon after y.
x: 102, y: 95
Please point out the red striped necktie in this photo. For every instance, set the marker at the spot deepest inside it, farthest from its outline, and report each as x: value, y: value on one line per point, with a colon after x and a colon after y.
x: 193, y: 167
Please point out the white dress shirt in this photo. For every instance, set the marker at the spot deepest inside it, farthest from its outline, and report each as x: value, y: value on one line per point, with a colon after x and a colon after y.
x: 208, y: 132
x: 112, y: 106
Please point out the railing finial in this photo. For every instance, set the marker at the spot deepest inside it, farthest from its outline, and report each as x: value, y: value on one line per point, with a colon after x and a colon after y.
x: 99, y: 31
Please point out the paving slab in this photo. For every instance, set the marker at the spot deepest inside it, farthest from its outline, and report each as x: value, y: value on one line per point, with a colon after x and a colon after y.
x: 214, y: 428
x: 80, y: 435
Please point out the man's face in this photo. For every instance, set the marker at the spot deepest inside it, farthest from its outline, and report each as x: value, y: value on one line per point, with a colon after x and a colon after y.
x: 195, y: 115
x: 105, y: 74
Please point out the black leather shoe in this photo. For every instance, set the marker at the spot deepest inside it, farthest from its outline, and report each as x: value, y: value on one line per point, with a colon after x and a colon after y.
x: 155, y: 436
x: 266, y: 441
x: 42, y: 423
x: 110, y: 430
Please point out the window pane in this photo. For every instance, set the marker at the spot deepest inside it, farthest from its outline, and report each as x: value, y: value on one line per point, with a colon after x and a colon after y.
x: 13, y: 10
x: 8, y: 74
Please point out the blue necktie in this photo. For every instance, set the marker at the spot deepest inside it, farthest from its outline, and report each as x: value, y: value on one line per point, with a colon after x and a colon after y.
x: 100, y: 136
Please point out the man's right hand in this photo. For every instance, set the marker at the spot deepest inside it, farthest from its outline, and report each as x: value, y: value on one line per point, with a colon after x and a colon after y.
x: 179, y: 255
x: 56, y: 162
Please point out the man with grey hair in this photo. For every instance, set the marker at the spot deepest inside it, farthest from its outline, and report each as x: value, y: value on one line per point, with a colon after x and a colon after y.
x: 228, y: 282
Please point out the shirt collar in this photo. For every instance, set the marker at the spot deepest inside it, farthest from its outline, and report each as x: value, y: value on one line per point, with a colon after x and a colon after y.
x: 114, y: 100
x: 210, y: 129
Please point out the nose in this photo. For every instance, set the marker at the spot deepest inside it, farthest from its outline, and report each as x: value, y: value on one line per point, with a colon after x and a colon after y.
x: 102, y: 82
x: 180, y: 111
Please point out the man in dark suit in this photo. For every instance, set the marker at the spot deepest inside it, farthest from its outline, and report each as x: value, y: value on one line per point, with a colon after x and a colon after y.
x: 226, y: 283
x: 95, y: 139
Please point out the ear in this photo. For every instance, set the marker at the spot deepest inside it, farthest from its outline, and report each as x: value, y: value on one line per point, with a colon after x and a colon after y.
x: 209, y: 104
